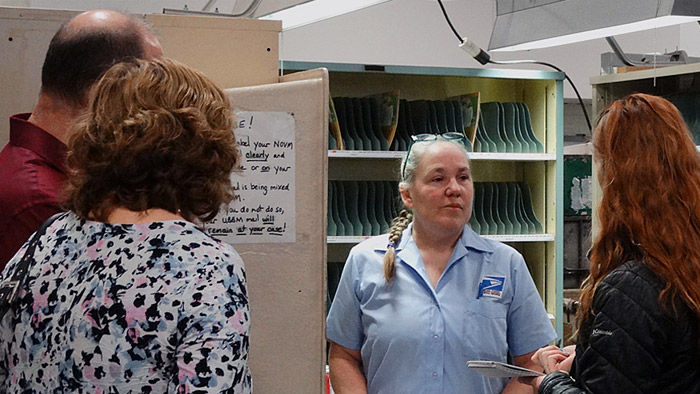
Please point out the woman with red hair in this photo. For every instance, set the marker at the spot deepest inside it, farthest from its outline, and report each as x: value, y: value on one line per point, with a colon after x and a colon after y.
x: 640, y: 305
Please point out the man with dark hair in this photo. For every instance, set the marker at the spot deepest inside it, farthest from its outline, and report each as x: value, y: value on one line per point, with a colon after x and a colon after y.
x: 32, y: 164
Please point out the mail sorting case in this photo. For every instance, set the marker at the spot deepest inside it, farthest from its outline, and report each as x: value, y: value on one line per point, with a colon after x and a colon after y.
x: 500, y: 127
x: 516, y: 155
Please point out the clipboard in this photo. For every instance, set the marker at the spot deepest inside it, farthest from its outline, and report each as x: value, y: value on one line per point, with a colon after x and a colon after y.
x: 496, y: 369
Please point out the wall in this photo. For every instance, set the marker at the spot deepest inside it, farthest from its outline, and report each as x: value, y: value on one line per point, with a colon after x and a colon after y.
x: 25, y: 36
x: 414, y: 32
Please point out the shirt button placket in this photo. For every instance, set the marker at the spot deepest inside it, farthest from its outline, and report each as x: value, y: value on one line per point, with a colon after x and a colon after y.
x: 436, y: 358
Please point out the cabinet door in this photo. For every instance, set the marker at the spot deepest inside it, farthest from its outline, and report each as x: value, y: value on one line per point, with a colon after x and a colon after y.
x: 286, y: 281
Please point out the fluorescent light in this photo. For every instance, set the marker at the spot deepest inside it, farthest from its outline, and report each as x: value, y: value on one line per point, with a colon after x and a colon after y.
x: 317, y: 10
x: 601, y: 33
x: 532, y: 24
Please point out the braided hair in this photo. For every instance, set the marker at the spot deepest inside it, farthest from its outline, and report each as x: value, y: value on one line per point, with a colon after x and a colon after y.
x: 397, y: 226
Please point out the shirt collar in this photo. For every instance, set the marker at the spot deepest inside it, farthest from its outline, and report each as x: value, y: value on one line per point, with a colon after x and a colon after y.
x: 471, y: 240
x: 29, y: 136
x: 468, y: 240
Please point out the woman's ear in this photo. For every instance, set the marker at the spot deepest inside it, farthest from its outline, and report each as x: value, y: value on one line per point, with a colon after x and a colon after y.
x: 406, y: 197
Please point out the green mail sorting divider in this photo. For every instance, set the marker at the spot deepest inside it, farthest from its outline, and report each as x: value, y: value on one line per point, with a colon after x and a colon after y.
x: 506, y: 127
x: 361, y: 208
x: 359, y: 120
x: 366, y: 208
x: 503, y: 208
x: 426, y: 117
x: 360, y: 123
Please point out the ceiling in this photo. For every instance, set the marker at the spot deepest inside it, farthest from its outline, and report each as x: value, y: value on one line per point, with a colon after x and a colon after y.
x: 156, y: 6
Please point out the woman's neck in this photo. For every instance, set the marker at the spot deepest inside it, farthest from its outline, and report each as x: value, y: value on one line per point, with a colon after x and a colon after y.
x: 435, y: 249
x: 426, y: 239
x: 121, y: 215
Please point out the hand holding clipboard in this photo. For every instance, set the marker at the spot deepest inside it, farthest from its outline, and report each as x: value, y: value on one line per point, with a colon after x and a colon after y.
x: 495, y: 369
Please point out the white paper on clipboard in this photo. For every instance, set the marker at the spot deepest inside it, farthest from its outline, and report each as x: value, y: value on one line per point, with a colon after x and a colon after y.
x: 495, y: 369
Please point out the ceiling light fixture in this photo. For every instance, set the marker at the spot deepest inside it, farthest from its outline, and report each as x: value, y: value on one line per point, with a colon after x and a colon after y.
x: 317, y: 10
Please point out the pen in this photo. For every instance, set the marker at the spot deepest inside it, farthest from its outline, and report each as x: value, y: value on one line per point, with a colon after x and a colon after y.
x: 559, y: 342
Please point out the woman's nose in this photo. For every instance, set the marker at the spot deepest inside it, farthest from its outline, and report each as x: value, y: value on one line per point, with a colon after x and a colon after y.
x: 453, y: 188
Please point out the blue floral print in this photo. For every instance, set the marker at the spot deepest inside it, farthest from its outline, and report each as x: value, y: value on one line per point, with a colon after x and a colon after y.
x: 141, y: 308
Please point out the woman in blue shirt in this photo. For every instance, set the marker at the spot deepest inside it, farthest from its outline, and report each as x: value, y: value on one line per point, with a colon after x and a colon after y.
x: 413, y: 306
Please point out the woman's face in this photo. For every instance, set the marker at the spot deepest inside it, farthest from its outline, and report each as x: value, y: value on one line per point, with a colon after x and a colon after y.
x: 442, y: 189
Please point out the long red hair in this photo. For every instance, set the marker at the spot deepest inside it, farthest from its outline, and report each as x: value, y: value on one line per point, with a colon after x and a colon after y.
x: 649, y: 172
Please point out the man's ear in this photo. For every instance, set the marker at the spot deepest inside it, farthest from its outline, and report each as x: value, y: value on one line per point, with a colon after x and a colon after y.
x: 406, y: 197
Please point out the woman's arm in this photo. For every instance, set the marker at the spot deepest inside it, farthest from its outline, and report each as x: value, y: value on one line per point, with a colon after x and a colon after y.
x: 626, y: 339
x: 346, y: 370
x: 212, y: 356
x: 515, y: 386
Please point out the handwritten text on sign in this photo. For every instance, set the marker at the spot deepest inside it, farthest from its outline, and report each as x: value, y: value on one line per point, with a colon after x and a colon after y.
x: 263, y: 210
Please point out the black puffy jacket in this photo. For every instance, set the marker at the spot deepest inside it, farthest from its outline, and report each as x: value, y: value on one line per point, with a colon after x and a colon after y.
x: 631, y: 344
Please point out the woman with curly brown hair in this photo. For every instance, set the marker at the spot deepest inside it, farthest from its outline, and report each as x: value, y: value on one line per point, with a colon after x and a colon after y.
x: 640, y: 306
x: 125, y: 293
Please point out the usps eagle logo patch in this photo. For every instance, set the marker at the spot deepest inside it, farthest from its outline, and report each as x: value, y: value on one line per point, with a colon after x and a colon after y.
x: 491, y: 286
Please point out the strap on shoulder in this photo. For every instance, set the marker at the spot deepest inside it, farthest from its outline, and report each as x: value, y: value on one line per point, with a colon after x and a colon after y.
x: 9, y: 287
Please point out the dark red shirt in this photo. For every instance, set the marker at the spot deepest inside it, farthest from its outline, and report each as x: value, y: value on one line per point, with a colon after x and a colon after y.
x: 32, y: 175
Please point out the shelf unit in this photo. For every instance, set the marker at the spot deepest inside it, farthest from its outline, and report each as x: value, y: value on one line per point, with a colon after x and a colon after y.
x: 542, y: 92
x: 661, y: 81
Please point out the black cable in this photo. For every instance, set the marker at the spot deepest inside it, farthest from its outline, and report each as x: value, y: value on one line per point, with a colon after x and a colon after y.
x: 484, y: 58
x: 580, y: 100
x: 449, y: 22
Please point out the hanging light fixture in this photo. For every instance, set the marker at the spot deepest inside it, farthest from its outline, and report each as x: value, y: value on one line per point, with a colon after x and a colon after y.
x: 532, y: 24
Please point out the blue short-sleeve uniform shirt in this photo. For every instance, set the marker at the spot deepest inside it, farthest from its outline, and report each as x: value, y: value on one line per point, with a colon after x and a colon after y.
x: 417, y: 339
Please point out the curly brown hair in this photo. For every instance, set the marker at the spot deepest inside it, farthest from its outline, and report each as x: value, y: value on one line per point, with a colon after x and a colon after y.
x: 157, y: 134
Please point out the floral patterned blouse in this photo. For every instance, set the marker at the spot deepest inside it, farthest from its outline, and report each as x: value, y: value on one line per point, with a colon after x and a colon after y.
x: 143, y: 308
